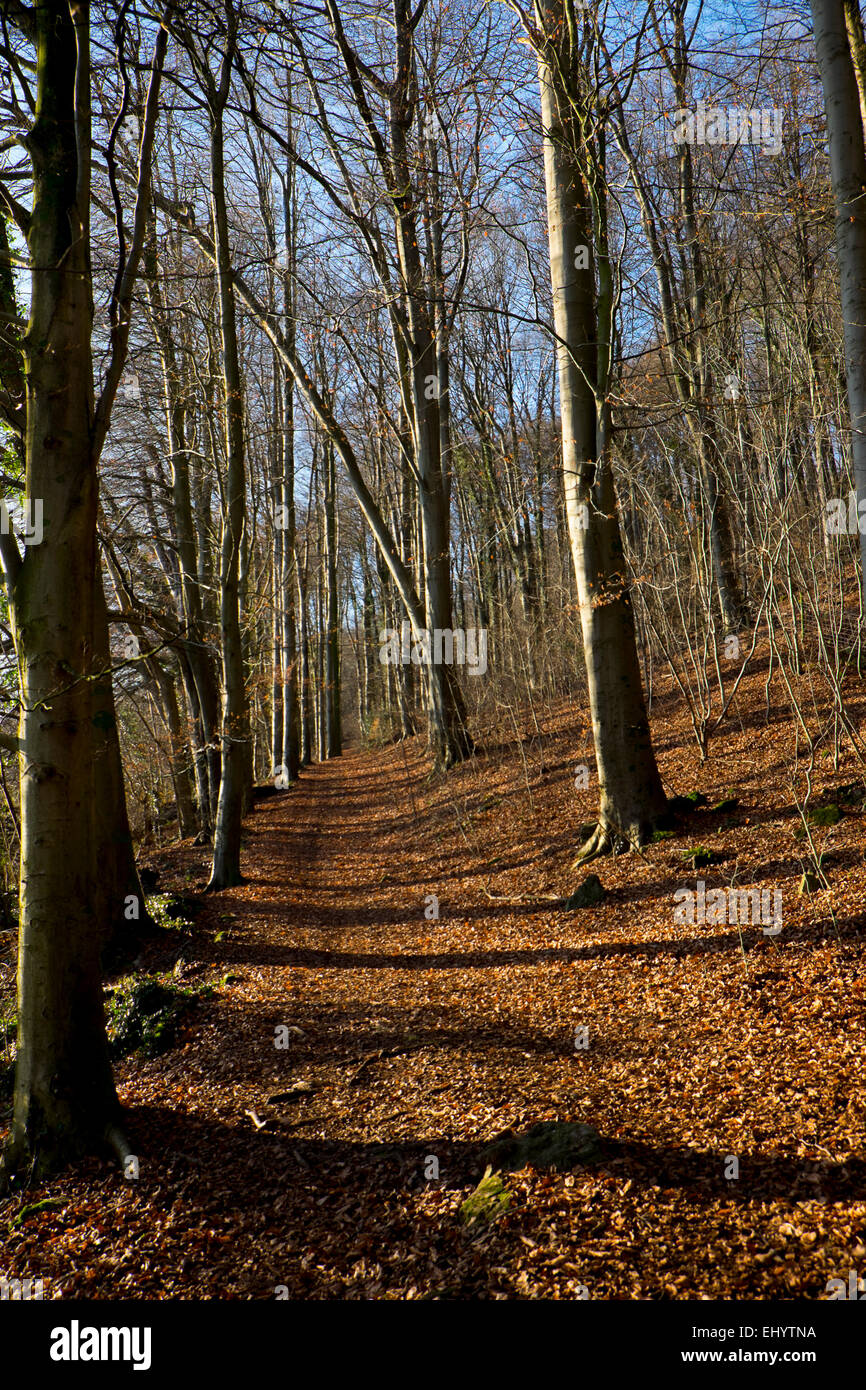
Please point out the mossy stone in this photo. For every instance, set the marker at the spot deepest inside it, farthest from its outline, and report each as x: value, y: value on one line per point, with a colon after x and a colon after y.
x: 554, y: 1144
x: 588, y: 894
x: 489, y: 1200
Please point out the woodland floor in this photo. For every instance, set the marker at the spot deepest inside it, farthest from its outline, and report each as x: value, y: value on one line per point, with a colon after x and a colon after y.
x: 428, y: 1038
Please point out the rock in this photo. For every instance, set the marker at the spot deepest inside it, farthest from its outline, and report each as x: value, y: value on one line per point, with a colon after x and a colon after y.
x: 554, y: 1144
x: 588, y: 894
x: 730, y: 803
x: 489, y: 1200
x: 825, y: 815
x: 809, y: 883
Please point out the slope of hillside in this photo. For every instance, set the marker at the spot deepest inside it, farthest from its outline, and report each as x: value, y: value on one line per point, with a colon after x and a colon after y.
x: 321, y: 1118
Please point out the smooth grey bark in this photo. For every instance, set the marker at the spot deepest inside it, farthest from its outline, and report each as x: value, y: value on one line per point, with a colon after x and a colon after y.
x: 305, y: 746
x: 65, y: 1102
x: 277, y: 568
x: 226, y: 868
x: 64, y: 1091
x: 857, y: 45
x: 845, y: 137
x: 291, y: 712
x: 631, y: 798
x: 333, y: 734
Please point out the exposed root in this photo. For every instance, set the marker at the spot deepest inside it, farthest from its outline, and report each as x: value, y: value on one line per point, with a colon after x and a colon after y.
x: 603, y: 840
x: 25, y: 1161
x: 218, y: 885
x: 598, y: 844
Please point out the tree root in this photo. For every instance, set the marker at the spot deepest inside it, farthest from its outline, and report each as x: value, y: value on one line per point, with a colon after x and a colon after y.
x: 21, y: 1165
x: 603, y: 840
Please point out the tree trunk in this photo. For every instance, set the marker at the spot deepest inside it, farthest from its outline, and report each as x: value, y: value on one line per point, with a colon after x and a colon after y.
x: 178, y: 766
x: 333, y: 736
x: 631, y: 798
x: 226, y: 869
x: 848, y: 171
x: 64, y: 1092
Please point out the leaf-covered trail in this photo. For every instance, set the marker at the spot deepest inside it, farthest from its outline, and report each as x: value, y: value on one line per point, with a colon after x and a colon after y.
x: 413, y: 1040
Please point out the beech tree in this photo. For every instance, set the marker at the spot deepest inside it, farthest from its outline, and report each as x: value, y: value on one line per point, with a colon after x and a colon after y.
x: 64, y: 1101
x: 235, y: 730
x: 845, y: 135
x: 631, y: 797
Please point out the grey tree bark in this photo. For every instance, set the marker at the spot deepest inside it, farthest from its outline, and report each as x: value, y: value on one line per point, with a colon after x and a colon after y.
x: 848, y: 171
x: 631, y: 798
x: 226, y: 868
x: 65, y: 1102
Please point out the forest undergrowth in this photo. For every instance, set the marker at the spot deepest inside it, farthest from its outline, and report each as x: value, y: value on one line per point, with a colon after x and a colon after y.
x: 328, y: 1059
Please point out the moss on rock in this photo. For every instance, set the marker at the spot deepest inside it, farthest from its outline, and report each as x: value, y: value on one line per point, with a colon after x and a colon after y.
x: 489, y: 1200
x: 588, y: 894
x: 556, y: 1144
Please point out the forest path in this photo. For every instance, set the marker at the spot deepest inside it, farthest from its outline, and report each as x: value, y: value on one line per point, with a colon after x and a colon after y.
x: 413, y: 1041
